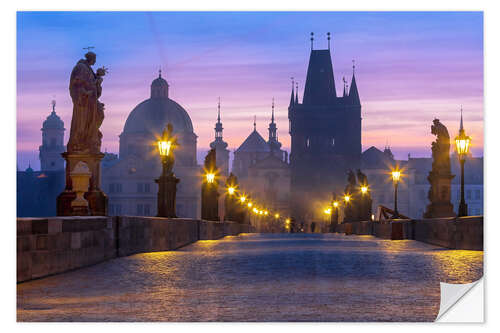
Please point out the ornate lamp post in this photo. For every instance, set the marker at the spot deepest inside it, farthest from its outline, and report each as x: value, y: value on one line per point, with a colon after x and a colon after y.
x: 167, y: 183
x: 209, y: 193
x: 462, y: 142
x: 396, y: 175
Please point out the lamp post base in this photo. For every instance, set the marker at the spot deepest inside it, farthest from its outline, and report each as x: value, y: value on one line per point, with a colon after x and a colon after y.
x: 462, y: 209
x: 167, y: 190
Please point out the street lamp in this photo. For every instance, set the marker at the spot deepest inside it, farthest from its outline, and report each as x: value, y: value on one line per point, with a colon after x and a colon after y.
x: 231, y: 190
x: 462, y: 142
x: 210, y: 176
x: 167, y: 183
x: 347, y: 198
x: 243, y: 199
x: 364, y: 189
x: 276, y: 216
x: 396, y: 175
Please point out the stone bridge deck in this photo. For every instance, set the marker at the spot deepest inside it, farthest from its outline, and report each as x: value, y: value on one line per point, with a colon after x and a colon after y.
x: 258, y: 277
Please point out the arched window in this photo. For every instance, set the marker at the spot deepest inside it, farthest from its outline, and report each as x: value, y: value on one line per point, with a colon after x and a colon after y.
x: 333, y: 142
x: 308, y: 142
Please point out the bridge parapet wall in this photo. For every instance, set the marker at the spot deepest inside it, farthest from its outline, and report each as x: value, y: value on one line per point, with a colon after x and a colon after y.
x: 465, y: 233
x: 47, y: 246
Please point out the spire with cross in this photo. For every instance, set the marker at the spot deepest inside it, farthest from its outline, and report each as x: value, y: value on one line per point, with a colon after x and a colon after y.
x: 328, y: 34
x: 312, y: 40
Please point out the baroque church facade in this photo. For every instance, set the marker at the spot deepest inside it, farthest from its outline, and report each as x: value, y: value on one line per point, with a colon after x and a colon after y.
x: 325, y: 132
x: 262, y: 168
x: 128, y: 179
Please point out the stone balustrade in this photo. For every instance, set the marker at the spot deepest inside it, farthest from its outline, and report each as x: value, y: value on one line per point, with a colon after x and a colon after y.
x: 47, y: 246
x: 464, y: 233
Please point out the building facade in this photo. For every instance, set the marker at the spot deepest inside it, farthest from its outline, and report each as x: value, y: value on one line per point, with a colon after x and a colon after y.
x: 129, y: 180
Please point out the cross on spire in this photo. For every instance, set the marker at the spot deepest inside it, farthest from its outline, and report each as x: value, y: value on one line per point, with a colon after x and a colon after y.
x: 353, y: 66
x: 53, y: 103
x: 88, y: 48
x: 218, y: 111
x: 328, y: 34
x: 272, y: 112
x: 254, y: 123
x: 312, y: 40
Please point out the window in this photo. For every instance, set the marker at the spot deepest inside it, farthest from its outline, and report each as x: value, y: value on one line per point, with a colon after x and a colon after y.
x: 333, y: 142
x: 111, y: 188
x: 477, y: 194
x: 147, y: 210
x: 146, y: 188
x: 307, y: 142
x: 118, y: 187
x: 140, y: 187
x: 140, y: 210
x: 469, y: 194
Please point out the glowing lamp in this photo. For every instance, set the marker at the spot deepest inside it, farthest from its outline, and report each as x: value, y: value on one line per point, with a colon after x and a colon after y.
x: 335, y: 204
x: 396, y: 175
x: 210, y: 177
x: 231, y: 190
x: 364, y: 189
x: 164, y: 147
x: 277, y: 216
x: 347, y: 198
x: 462, y: 143
x: 328, y: 211
x: 242, y: 199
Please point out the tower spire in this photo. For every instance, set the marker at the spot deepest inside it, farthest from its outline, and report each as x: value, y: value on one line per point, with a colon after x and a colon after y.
x: 292, y: 97
x: 218, y: 111
x: 461, y: 121
x: 353, y: 92
x: 272, y: 112
x: 53, y: 103
x: 255, y: 123
x: 328, y: 34
x: 296, y: 93
x: 159, y: 72
x: 312, y: 40
x: 218, y: 124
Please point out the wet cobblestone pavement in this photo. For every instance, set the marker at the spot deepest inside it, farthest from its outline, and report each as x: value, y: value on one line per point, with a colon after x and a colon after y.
x: 252, y: 277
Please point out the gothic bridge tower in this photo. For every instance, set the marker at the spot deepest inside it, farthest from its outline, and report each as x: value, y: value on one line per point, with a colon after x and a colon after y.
x: 325, y: 132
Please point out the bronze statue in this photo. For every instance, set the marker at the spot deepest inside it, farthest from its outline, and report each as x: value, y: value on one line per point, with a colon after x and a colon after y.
x: 440, y: 176
x: 88, y: 112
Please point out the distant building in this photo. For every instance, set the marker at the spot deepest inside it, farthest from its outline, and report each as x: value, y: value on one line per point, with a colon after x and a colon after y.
x: 37, y: 190
x: 220, y: 146
x: 414, y: 186
x: 325, y: 132
x: 262, y: 169
x: 128, y: 180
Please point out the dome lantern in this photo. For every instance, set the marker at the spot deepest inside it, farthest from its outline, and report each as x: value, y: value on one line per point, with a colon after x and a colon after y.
x: 159, y: 87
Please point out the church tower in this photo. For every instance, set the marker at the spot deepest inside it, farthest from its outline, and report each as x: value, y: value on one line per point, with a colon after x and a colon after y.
x: 221, y: 151
x: 325, y: 135
x: 52, y: 142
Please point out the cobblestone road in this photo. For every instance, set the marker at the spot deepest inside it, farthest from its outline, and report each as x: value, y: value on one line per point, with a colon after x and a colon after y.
x: 297, y: 277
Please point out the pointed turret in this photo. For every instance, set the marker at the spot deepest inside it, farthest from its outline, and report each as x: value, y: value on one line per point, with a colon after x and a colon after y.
x: 292, y: 98
x: 353, y: 91
x: 296, y: 93
x: 218, y: 143
x: 461, y: 130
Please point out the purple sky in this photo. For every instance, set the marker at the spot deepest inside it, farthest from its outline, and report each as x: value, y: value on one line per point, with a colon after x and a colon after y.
x: 410, y: 68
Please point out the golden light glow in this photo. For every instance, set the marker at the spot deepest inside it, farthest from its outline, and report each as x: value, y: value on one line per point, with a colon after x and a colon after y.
x: 287, y: 221
x: 277, y: 215
x: 335, y: 204
x: 255, y: 210
x: 261, y: 212
x: 250, y: 205
x: 231, y: 190
x: 364, y: 189
x: 266, y: 212
x: 328, y: 211
x: 396, y: 175
x: 462, y: 143
x: 210, y: 177
x: 242, y: 199
x: 164, y: 147
x: 373, y: 217
x: 347, y: 198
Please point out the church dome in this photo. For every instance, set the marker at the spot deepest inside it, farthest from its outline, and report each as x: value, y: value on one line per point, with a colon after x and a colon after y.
x: 154, y: 113
x: 53, y: 122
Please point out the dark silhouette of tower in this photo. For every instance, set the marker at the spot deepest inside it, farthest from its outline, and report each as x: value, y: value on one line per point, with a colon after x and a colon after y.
x: 52, y: 142
x: 220, y: 146
x: 325, y: 135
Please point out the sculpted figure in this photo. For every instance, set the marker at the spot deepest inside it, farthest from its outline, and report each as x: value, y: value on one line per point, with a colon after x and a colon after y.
x: 88, y: 113
x: 168, y: 135
x: 362, y: 179
x: 440, y: 147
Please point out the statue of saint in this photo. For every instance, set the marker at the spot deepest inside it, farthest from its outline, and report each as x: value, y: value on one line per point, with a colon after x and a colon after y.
x: 88, y: 113
x: 440, y: 148
x: 168, y: 135
x: 362, y: 179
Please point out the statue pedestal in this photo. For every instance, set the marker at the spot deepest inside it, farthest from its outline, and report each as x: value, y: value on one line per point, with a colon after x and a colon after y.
x: 98, y: 202
x: 209, y: 202
x: 439, y: 196
x: 167, y: 189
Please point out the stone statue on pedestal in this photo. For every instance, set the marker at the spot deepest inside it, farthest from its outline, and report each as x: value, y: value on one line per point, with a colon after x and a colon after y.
x: 440, y: 176
x: 365, y: 204
x: 231, y: 212
x: 350, y: 207
x: 84, y: 143
x: 209, y: 193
